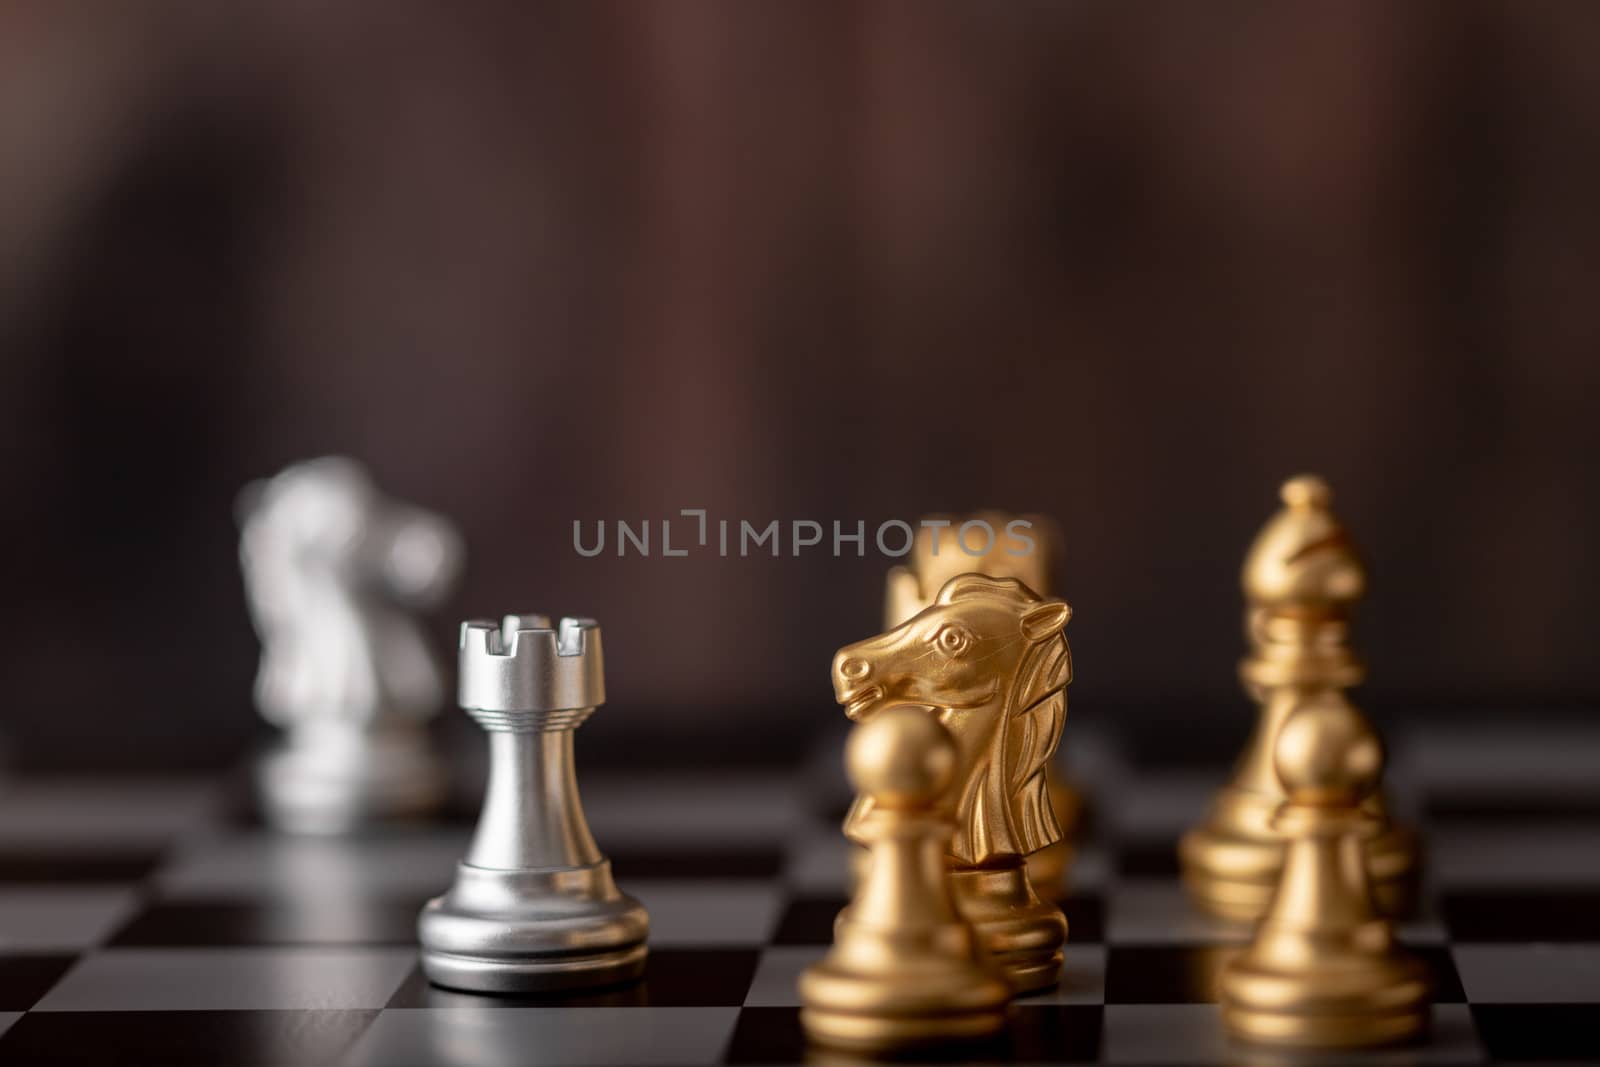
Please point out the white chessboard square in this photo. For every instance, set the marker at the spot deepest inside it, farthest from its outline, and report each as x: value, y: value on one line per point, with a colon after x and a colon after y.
x: 544, y: 1037
x: 1083, y: 978
x: 1534, y: 853
x: 1193, y: 1034
x: 663, y: 810
x: 1089, y: 870
x: 1161, y: 806
x: 62, y: 813
x: 212, y: 979
x: 687, y: 914
x: 43, y: 918
x: 1530, y: 974
x: 774, y: 983
x: 1151, y: 911
x: 1504, y: 759
x: 1423, y: 928
x: 7, y: 1018
x: 818, y: 862
x: 1158, y: 912
x: 259, y: 866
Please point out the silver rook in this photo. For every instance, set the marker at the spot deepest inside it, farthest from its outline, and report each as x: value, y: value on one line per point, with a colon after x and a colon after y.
x: 533, y: 906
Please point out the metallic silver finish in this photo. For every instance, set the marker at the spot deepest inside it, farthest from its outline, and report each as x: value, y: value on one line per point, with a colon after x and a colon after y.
x: 335, y: 574
x: 531, y: 667
x: 533, y: 906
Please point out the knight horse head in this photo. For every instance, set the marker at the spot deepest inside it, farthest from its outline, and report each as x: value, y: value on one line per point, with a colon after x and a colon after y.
x: 990, y: 659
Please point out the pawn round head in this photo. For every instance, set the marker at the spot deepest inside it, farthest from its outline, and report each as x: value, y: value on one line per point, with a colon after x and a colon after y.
x: 1326, y: 752
x: 1302, y: 560
x: 902, y: 758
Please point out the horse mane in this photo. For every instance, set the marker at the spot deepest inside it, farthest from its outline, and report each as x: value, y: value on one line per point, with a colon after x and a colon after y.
x: 1006, y: 808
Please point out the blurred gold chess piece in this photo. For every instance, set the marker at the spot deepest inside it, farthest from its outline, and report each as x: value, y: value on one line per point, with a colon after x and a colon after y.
x: 1024, y: 547
x: 1302, y: 580
x: 995, y: 543
x: 905, y: 970
x: 989, y: 659
x: 1323, y: 970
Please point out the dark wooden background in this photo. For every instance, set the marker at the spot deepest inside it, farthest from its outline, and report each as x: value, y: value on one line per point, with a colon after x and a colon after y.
x: 1129, y: 264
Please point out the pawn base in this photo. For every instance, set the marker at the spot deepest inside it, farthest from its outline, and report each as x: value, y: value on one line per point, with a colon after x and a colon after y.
x: 1346, y: 1001
x: 884, y: 1034
x: 1324, y: 1032
x: 533, y: 931
x: 883, y: 992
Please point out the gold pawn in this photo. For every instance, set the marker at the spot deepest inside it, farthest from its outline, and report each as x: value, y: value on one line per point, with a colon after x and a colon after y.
x: 1302, y: 580
x: 936, y: 557
x: 1323, y: 970
x: 905, y: 971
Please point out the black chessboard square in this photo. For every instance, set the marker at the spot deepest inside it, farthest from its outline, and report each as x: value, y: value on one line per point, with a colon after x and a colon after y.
x: 1086, y: 922
x: 1147, y: 858
x: 1034, y: 1034
x: 24, y: 979
x: 1187, y: 974
x: 70, y: 866
x: 673, y: 978
x: 767, y: 1035
x: 809, y: 920
x: 1527, y: 1032
x: 1473, y: 812
x: 696, y: 864
x: 182, y: 1038
x: 1164, y: 974
x: 330, y: 920
x: 1447, y: 988
x: 1054, y: 1033
x: 1515, y: 917
x: 241, y: 810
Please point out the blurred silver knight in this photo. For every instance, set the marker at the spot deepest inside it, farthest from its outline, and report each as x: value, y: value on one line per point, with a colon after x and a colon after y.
x: 534, y: 906
x: 336, y: 574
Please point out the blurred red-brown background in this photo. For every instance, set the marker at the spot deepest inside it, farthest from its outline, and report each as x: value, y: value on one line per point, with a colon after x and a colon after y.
x: 1128, y: 264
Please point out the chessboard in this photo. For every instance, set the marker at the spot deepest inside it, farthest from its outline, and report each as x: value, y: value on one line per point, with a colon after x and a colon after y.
x: 149, y: 922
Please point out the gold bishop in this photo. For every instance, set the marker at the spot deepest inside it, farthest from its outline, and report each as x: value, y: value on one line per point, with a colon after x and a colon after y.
x: 1302, y: 580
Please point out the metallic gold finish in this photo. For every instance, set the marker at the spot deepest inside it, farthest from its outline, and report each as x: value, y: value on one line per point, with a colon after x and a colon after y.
x: 990, y: 661
x: 1047, y: 868
x: 1302, y: 580
x: 905, y: 970
x: 939, y: 553
x: 1323, y: 970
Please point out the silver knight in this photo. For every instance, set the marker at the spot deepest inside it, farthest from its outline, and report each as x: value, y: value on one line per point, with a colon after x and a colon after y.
x: 336, y: 575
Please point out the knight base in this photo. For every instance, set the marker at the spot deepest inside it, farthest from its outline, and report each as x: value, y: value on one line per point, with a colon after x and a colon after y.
x: 1022, y: 934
